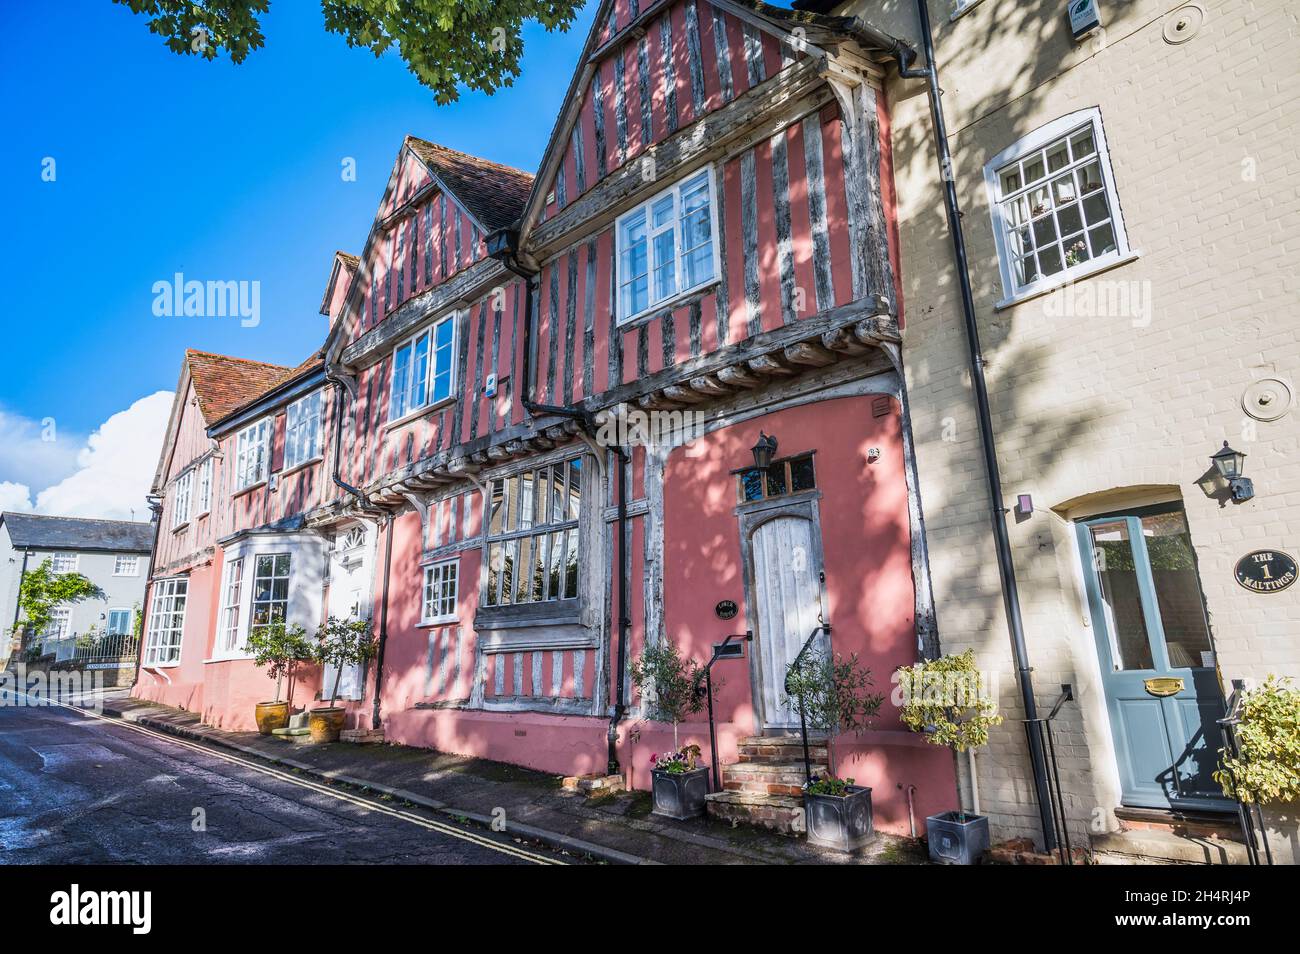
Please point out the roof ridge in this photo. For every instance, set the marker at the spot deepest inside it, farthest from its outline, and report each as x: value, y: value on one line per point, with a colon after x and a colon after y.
x: 470, y: 155
x: 55, y: 516
x: 231, y: 357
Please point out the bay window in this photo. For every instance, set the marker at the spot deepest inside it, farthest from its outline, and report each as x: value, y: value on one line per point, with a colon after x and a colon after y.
x: 422, y: 369
x: 666, y: 246
x: 166, y: 622
x: 302, y: 430
x: 251, y: 454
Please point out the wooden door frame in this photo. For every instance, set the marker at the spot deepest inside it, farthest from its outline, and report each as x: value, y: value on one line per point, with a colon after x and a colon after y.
x: 750, y: 517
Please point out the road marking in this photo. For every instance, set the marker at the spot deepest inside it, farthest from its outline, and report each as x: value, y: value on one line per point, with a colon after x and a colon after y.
x: 323, y: 789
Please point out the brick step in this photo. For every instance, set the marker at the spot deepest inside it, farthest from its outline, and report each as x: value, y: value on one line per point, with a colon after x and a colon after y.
x: 1164, y: 848
x: 780, y: 748
x: 778, y: 813
x: 773, y: 778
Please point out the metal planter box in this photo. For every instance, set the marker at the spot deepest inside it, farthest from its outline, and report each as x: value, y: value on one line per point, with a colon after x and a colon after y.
x: 842, y: 822
x: 957, y: 838
x: 680, y: 795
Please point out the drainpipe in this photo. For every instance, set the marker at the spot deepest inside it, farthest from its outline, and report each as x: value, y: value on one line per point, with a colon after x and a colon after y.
x: 502, y: 246
x: 997, y: 512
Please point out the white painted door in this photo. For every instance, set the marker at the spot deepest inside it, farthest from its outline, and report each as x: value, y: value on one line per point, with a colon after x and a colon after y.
x: 787, y: 606
x: 349, y: 598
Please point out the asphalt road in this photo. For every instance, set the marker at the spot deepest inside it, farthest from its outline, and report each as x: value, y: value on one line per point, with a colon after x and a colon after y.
x: 79, y: 789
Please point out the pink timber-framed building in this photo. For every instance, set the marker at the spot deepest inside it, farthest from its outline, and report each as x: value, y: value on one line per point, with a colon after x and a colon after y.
x: 708, y: 247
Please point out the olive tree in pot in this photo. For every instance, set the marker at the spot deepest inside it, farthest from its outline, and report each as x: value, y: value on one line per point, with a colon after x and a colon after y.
x: 280, y: 649
x: 339, y: 643
x: 832, y: 694
x: 945, y: 698
x: 670, y: 689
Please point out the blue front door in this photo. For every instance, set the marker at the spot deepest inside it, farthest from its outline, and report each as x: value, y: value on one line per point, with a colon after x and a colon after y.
x: 1157, y: 662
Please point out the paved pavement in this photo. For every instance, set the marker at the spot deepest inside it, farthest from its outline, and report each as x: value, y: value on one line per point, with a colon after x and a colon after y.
x: 79, y: 788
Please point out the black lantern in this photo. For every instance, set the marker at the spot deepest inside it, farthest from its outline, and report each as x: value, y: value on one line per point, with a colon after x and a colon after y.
x: 1230, y: 463
x: 763, y: 451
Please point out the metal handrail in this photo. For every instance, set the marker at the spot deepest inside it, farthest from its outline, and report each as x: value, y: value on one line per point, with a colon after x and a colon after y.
x: 803, y: 719
x: 1043, y: 724
x: 747, y: 636
x: 1249, y: 815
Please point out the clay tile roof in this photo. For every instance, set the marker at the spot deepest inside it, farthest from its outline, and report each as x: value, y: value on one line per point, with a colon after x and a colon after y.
x: 351, y: 261
x: 493, y: 193
x: 223, y: 383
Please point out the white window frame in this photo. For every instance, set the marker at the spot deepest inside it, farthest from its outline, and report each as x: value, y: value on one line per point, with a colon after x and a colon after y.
x: 305, y: 429
x: 1064, y: 128
x: 126, y: 559
x: 230, y: 626
x: 444, y: 574
x: 272, y: 601
x: 182, y: 499
x: 60, y: 625
x: 412, y: 403
x: 203, y: 490
x: 166, y: 621
x: 55, y: 558
x: 645, y: 208
x: 253, y: 446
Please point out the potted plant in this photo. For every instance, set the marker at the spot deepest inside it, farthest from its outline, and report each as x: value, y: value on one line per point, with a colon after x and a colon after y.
x: 670, y: 688
x: 945, y: 699
x: 339, y: 643
x: 1266, y: 766
x: 279, y: 648
x: 833, y: 695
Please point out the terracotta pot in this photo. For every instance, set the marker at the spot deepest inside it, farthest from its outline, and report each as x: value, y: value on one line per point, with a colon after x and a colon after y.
x: 326, y: 724
x: 270, y: 716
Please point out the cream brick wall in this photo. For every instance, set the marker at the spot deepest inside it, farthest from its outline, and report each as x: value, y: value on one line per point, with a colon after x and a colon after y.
x: 1087, y: 406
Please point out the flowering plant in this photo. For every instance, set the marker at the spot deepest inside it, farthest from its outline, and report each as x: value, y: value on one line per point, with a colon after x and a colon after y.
x: 828, y: 784
x: 679, y: 762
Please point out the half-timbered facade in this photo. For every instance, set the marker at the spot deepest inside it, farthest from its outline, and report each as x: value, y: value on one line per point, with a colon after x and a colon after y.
x: 548, y: 394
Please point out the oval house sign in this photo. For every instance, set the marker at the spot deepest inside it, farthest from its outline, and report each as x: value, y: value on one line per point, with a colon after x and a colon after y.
x: 1266, y: 571
x: 726, y: 609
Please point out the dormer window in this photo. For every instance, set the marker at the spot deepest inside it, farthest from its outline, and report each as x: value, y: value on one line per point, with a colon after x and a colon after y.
x: 422, y: 370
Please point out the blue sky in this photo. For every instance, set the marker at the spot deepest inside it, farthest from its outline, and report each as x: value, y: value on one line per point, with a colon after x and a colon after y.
x: 166, y: 163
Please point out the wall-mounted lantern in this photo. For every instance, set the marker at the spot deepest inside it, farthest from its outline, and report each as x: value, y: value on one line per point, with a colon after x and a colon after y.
x: 764, y: 451
x: 1230, y: 463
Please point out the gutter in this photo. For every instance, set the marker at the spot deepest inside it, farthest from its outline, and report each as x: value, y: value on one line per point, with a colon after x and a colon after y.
x: 905, y: 55
x: 502, y: 245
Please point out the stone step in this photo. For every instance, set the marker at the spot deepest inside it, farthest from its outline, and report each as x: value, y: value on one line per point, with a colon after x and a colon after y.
x: 1187, y: 824
x: 772, y: 778
x: 782, y: 814
x: 1164, y: 848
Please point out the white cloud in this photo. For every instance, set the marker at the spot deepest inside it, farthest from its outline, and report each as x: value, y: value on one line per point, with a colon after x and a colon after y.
x: 114, y: 468
x: 37, y: 453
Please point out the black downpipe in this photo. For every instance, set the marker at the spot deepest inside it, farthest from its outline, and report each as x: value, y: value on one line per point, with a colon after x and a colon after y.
x: 501, y: 247
x: 1002, y: 540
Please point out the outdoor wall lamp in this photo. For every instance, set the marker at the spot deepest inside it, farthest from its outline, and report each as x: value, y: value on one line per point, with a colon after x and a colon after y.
x: 1230, y: 464
x: 763, y: 451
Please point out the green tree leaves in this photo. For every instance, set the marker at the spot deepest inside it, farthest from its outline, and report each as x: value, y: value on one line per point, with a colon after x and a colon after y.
x: 1268, y: 737
x: 445, y: 43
